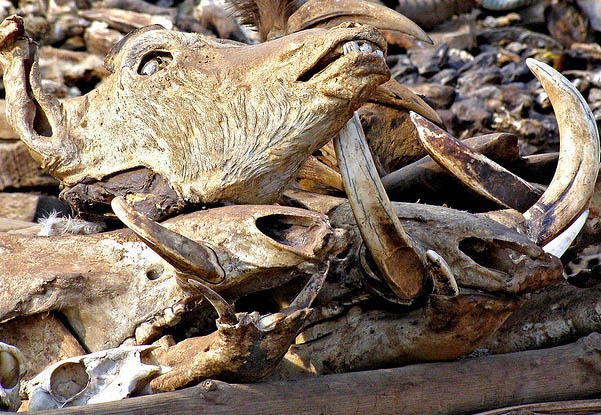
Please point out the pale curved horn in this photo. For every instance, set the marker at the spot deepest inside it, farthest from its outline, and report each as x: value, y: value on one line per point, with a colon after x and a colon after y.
x: 573, y: 184
x: 186, y: 255
x: 318, y: 12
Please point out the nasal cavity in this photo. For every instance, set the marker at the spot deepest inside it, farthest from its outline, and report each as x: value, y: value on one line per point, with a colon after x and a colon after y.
x: 286, y: 229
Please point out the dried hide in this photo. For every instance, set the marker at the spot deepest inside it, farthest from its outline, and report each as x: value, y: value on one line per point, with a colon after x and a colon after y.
x: 163, y: 108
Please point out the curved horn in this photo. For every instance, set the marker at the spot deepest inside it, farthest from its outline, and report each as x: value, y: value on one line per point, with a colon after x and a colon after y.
x: 302, y: 301
x: 323, y: 12
x: 395, y: 95
x: 392, y: 250
x: 574, y: 181
x: 475, y: 170
x: 183, y: 253
x: 226, y: 312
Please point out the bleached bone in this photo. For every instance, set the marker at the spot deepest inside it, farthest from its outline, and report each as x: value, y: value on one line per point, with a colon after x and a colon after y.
x: 111, y: 286
x: 104, y: 376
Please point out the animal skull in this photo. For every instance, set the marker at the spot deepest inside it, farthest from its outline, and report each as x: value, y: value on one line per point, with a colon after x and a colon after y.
x: 12, y: 369
x: 162, y: 108
x: 111, y: 287
x: 103, y: 376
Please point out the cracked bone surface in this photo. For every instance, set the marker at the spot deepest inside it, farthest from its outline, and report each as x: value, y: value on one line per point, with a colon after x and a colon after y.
x: 104, y: 376
x: 111, y: 286
x: 163, y: 105
x: 12, y: 369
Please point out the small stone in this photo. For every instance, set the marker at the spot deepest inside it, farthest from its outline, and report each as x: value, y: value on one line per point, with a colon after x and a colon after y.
x: 429, y: 59
x: 441, y: 96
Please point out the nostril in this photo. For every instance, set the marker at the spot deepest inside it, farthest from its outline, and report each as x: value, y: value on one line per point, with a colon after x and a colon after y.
x: 285, y: 229
x: 155, y: 272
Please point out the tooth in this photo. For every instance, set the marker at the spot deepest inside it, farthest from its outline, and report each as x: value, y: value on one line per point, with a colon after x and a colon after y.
x: 346, y: 49
x: 365, y: 47
x: 562, y: 242
x: 188, y: 256
x: 442, y: 276
x: 350, y: 46
x: 379, y: 53
x: 571, y: 188
x: 394, y: 253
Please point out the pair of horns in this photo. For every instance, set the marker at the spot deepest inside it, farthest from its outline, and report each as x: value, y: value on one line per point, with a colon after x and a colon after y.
x: 552, y: 222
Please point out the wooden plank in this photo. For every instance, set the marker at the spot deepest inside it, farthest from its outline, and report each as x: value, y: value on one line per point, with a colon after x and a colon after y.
x: 561, y: 373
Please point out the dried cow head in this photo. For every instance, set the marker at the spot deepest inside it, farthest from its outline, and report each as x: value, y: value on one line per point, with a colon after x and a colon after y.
x: 218, y: 121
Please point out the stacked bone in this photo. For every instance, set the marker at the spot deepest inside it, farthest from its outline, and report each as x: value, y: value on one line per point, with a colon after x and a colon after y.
x: 412, y: 282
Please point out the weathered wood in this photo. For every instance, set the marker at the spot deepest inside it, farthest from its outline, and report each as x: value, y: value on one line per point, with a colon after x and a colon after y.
x: 561, y: 373
x: 584, y: 407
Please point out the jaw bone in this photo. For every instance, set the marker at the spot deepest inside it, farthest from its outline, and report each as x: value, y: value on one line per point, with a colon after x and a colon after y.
x: 245, y: 347
x: 565, y: 201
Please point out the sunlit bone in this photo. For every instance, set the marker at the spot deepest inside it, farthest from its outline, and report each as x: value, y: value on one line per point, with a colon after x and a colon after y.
x: 103, y: 376
x: 163, y: 107
x: 12, y: 369
x: 112, y: 287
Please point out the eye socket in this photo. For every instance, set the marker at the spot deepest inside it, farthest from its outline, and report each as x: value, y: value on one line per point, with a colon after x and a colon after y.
x: 154, y: 62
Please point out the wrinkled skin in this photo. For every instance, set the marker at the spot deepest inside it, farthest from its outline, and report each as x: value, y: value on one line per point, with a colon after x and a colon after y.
x: 163, y: 108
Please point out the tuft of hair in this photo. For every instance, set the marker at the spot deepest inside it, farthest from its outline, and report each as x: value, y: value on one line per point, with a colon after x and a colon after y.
x: 54, y: 224
x: 268, y: 17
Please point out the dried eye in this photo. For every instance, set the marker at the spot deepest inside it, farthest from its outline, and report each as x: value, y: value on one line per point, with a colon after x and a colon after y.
x: 150, y: 67
x: 154, y: 62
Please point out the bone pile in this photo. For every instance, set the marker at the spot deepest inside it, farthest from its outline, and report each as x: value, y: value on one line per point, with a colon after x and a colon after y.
x: 342, y: 205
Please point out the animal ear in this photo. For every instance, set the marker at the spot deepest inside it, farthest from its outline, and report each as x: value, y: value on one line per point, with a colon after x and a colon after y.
x: 269, y: 17
x: 111, y: 56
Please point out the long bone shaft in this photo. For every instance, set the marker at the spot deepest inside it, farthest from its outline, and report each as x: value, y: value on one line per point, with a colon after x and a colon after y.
x: 392, y: 250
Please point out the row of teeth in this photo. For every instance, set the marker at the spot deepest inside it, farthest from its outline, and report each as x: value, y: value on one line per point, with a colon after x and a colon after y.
x: 350, y: 46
